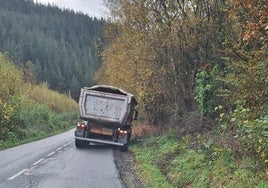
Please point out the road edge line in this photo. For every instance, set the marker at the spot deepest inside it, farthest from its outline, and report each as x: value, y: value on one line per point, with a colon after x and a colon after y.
x: 18, y: 174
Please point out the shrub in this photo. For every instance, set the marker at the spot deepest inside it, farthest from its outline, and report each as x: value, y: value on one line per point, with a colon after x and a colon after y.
x: 207, y: 85
x: 10, y: 79
x: 253, y: 133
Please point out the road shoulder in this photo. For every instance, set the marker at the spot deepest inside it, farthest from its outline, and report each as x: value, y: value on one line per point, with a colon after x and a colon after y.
x: 125, y: 163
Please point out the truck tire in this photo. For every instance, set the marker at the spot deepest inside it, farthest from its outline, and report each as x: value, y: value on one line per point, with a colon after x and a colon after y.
x: 80, y: 143
x: 124, y: 148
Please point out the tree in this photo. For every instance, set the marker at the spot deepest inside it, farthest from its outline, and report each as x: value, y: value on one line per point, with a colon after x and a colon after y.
x: 247, y: 67
x: 156, y: 47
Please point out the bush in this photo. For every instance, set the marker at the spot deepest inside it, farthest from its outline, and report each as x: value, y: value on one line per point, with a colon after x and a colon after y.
x: 253, y: 133
x: 207, y: 85
x: 11, y: 81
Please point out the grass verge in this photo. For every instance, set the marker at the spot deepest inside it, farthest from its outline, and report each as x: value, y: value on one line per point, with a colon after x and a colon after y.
x: 195, y: 161
x: 61, y: 122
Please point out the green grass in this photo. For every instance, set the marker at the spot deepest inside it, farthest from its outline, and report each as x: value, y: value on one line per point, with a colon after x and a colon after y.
x: 35, y: 131
x: 29, y: 121
x: 38, y: 135
x: 167, y: 161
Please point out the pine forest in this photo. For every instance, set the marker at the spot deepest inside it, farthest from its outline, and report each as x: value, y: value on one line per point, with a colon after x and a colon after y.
x: 55, y: 46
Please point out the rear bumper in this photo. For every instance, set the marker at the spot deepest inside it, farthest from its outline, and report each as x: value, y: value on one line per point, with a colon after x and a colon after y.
x: 78, y: 133
x: 99, y: 141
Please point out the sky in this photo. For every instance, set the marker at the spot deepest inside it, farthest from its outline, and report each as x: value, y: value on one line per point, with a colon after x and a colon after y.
x: 93, y: 8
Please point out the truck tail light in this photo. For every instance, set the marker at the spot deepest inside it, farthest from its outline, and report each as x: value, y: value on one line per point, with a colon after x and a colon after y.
x: 122, y: 133
x: 81, y: 125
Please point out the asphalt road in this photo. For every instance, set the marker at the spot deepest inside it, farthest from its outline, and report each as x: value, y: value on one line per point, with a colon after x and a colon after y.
x: 55, y: 162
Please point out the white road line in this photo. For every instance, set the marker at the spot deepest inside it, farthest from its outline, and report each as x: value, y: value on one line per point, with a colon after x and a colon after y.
x: 37, y: 162
x: 52, y: 153
x: 28, y: 172
x: 18, y: 174
x: 65, y: 145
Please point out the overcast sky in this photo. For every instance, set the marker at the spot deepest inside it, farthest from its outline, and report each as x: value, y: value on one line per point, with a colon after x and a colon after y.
x: 90, y: 7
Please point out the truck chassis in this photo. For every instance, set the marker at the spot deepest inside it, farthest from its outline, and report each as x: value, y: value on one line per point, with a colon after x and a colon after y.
x: 86, y: 133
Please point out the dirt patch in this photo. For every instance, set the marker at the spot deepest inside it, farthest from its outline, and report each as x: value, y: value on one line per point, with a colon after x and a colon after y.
x: 125, y: 162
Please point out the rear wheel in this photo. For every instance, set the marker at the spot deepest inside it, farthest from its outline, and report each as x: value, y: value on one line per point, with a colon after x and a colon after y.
x: 124, y: 148
x: 80, y: 143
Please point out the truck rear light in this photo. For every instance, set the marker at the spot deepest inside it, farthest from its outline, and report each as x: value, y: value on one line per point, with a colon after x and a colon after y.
x: 81, y: 125
x: 122, y: 133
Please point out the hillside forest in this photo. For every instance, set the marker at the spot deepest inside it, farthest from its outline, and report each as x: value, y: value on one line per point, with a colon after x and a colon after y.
x: 54, y: 45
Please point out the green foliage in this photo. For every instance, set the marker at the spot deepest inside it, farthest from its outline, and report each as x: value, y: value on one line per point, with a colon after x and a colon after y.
x: 185, y: 170
x: 10, y: 86
x: 29, y: 121
x: 253, y: 133
x: 207, y: 85
x: 40, y: 119
x: 246, y: 74
x: 249, y: 86
x: 248, y: 95
x: 149, y: 172
x: 175, y: 164
x: 262, y: 185
x: 155, y: 156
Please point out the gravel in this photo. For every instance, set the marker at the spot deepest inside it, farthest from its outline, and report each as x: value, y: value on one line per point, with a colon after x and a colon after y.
x: 125, y: 162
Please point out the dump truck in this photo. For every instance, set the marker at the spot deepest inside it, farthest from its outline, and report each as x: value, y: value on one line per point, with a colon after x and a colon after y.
x: 107, y: 113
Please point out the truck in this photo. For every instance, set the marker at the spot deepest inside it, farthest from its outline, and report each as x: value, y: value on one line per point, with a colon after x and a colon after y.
x: 107, y: 113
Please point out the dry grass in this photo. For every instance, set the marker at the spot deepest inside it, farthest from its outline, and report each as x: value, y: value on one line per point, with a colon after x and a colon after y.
x: 143, y: 130
x: 54, y: 100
